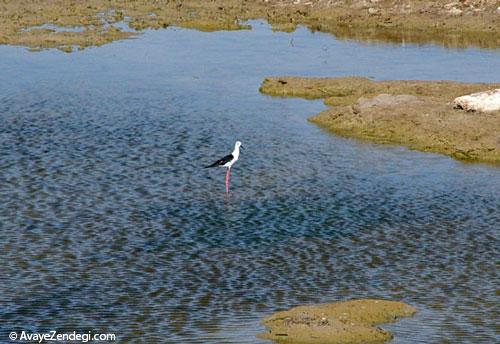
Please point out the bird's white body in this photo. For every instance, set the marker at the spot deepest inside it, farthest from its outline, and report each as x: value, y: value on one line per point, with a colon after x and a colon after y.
x: 235, y: 154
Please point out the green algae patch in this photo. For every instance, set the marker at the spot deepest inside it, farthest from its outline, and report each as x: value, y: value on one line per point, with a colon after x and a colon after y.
x: 346, y: 322
x: 418, y: 114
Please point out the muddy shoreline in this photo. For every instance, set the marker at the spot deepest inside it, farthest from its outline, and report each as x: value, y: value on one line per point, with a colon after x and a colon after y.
x: 93, y: 22
x: 416, y: 114
x: 353, y: 321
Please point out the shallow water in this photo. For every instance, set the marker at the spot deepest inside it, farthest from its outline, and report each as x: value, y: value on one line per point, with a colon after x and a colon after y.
x: 109, y: 223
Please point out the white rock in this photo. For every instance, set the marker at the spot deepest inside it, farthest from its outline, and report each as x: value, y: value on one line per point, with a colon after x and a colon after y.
x: 481, y: 101
x: 455, y: 11
x: 451, y: 4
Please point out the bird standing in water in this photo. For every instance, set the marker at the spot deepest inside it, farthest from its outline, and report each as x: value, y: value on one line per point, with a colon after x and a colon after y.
x: 228, y: 161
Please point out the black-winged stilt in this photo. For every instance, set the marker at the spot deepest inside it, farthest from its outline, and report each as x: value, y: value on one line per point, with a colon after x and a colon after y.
x: 228, y: 161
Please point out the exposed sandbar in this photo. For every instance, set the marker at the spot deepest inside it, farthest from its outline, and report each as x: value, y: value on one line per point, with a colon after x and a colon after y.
x: 417, y: 114
x: 347, y: 322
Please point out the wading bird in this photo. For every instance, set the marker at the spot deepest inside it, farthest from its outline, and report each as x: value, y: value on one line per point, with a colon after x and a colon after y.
x: 228, y: 161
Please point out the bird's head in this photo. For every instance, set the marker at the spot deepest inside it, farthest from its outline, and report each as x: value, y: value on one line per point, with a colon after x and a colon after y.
x: 238, y: 145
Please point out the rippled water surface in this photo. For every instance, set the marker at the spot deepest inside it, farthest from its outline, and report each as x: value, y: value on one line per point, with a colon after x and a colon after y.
x: 109, y: 223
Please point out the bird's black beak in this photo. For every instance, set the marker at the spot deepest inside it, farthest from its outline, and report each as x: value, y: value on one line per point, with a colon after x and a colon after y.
x: 241, y: 146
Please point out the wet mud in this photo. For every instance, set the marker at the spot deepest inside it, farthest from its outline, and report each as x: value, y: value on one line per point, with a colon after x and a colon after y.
x: 454, y: 24
x: 350, y: 322
x: 418, y: 114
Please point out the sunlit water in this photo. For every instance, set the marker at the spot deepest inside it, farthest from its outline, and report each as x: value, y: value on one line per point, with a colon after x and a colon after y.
x: 108, y: 222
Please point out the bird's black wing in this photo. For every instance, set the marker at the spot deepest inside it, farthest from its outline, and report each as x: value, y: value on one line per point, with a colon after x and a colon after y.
x: 222, y: 161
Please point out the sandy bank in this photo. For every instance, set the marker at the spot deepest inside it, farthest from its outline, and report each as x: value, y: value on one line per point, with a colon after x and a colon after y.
x: 346, y: 322
x: 417, y: 114
x: 89, y: 23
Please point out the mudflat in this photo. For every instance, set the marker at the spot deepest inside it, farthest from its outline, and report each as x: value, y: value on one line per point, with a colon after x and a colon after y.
x: 343, y: 322
x: 418, y: 114
x: 79, y: 24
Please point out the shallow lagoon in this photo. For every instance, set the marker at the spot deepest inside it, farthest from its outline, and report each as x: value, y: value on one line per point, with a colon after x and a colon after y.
x: 110, y: 224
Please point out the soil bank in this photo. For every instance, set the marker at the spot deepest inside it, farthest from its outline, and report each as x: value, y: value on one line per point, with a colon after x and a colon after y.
x: 92, y: 23
x: 346, y: 322
x: 417, y: 114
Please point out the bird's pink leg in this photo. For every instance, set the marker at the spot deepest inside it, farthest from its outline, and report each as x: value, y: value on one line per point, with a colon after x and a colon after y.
x: 227, y: 179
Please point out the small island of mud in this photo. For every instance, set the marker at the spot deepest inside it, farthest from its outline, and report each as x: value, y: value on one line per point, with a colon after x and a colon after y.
x: 335, y: 323
x: 418, y: 114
